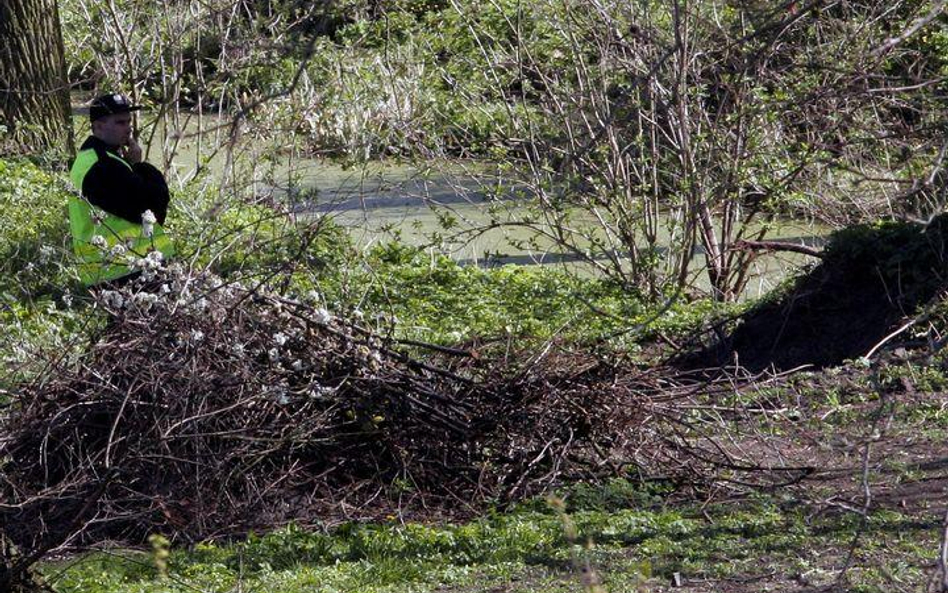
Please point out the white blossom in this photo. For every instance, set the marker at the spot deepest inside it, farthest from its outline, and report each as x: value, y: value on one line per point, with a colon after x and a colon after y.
x: 145, y: 300
x: 317, y: 391
x: 177, y: 271
x: 297, y: 365
x: 112, y: 299
x: 46, y: 252
x: 148, y: 223
x: 148, y: 264
x: 154, y: 259
x: 280, y: 338
x: 274, y: 354
x: 117, y: 250
x: 322, y: 316
x: 99, y: 241
x: 197, y: 335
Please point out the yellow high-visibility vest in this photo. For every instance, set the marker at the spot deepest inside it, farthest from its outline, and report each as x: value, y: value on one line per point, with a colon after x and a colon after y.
x: 98, y: 259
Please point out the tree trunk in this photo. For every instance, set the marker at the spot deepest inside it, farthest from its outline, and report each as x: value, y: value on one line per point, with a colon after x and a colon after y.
x: 34, y: 94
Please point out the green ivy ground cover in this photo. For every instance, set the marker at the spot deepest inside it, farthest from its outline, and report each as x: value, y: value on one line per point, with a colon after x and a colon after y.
x: 630, y: 540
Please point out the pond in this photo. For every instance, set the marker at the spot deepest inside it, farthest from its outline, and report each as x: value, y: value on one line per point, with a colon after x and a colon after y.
x: 469, y: 212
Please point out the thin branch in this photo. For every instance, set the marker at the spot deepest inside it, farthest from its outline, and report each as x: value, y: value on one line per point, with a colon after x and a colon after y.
x: 936, y: 10
x: 778, y: 246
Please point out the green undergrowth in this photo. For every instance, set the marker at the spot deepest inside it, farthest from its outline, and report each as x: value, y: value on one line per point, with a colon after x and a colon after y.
x: 41, y: 313
x: 34, y: 243
x: 632, y: 539
x: 399, y: 290
x: 433, y: 298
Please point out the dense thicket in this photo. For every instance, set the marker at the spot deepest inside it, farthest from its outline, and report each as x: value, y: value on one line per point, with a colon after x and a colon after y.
x: 627, y: 127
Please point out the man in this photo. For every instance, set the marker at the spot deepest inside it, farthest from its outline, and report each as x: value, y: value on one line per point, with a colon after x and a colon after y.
x: 117, y: 220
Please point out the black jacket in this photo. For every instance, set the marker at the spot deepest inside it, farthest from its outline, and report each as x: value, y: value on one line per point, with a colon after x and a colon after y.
x: 121, y: 191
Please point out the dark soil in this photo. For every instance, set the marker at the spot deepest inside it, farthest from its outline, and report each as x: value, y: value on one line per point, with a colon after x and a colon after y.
x: 870, y: 279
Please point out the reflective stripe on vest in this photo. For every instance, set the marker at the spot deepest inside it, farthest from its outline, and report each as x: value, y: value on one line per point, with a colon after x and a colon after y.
x: 98, y: 258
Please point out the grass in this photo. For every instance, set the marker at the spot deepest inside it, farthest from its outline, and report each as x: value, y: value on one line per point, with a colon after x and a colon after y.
x: 632, y: 539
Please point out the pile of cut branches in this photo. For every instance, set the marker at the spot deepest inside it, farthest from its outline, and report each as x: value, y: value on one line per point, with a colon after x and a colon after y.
x: 205, y: 409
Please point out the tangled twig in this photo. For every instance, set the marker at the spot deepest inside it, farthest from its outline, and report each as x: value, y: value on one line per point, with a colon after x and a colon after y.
x: 215, y: 409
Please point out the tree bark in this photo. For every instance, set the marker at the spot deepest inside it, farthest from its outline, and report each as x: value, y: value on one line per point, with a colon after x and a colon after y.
x: 34, y: 93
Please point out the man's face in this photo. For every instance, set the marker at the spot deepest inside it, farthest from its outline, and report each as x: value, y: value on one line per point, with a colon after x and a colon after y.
x: 115, y: 129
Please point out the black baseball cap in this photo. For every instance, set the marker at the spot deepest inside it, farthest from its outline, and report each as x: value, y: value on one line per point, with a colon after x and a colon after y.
x: 110, y: 104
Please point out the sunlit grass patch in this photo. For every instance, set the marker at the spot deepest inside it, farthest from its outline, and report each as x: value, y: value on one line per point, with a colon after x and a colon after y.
x: 526, y: 547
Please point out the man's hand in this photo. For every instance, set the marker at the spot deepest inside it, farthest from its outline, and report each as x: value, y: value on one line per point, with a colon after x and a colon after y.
x: 132, y: 152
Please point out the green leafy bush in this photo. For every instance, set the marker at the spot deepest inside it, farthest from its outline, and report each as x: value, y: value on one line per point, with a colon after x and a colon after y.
x: 42, y: 314
x: 241, y: 237
x: 35, y: 251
